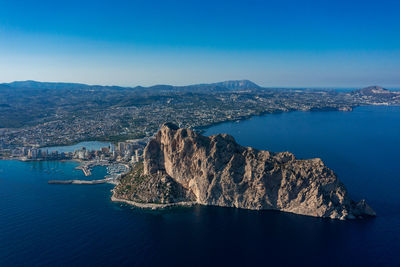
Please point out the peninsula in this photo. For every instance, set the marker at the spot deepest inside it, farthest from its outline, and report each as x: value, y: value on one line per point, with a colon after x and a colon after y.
x: 182, y: 167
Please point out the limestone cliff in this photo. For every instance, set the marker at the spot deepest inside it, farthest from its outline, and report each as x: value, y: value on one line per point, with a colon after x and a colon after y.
x: 180, y: 165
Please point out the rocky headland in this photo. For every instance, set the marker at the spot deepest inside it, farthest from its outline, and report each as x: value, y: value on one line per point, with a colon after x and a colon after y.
x: 182, y: 167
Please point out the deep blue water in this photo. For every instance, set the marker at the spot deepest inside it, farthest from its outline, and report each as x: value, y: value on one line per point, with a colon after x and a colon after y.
x: 43, y: 224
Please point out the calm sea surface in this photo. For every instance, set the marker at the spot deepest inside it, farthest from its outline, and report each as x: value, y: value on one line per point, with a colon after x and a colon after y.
x: 42, y: 224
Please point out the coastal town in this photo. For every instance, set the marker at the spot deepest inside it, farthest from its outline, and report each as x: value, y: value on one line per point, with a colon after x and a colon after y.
x: 117, y: 159
x: 127, y: 124
x: 129, y: 151
x: 121, y: 114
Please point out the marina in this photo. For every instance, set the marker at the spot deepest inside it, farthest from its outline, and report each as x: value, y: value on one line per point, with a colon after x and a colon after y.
x: 114, y: 172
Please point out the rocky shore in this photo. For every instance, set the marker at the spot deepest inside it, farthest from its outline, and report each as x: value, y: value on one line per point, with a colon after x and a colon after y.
x: 153, y: 206
x: 182, y: 166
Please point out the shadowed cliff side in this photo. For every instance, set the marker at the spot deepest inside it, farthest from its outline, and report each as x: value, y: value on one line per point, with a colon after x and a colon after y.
x: 182, y: 166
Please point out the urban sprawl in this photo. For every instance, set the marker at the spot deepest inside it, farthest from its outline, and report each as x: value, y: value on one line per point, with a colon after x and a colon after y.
x: 35, y: 116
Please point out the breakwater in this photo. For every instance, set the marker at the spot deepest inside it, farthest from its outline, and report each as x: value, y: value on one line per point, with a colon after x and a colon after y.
x: 101, y: 181
x: 86, y: 169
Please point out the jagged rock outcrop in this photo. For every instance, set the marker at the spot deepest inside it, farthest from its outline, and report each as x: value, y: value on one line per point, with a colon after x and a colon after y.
x: 217, y: 171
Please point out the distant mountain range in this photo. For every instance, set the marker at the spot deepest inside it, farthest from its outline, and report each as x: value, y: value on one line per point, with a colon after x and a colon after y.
x: 225, y: 86
x: 54, y: 85
x: 220, y: 86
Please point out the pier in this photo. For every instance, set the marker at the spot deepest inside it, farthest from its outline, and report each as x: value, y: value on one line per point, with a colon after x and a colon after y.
x: 101, y: 181
x: 86, y: 169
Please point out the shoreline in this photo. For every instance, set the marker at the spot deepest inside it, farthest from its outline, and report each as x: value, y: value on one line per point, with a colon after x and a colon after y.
x: 152, y: 206
x: 202, y: 129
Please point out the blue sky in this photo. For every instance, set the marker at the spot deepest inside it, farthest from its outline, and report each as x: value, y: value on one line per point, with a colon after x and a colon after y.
x: 274, y: 43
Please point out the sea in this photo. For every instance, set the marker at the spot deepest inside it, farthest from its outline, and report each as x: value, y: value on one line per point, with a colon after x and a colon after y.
x: 77, y: 225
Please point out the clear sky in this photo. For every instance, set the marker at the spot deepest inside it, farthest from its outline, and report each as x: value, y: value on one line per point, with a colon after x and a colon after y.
x: 273, y: 43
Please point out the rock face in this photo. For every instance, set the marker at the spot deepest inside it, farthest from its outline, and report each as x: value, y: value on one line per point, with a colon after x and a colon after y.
x: 181, y: 165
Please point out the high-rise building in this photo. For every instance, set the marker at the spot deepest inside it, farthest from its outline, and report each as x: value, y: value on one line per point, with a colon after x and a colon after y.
x: 121, y: 147
x: 137, y: 155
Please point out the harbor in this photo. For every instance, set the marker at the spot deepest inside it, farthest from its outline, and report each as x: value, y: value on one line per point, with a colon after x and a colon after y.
x: 114, y: 172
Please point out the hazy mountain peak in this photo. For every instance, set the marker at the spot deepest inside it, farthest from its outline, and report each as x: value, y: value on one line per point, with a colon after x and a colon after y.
x: 238, y: 84
x: 30, y: 84
x: 375, y: 89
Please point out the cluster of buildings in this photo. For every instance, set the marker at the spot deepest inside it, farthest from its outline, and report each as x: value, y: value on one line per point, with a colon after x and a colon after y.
x: 130, y: 151
x: 187, y: 109
x: 194, y: 110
